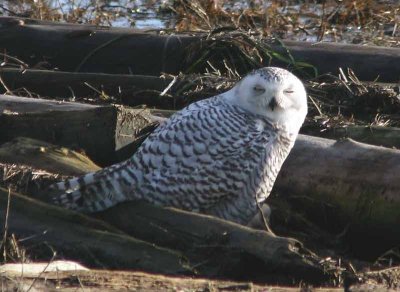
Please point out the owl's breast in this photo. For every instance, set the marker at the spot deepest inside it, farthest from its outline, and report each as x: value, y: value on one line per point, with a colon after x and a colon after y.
x: 275, y: 149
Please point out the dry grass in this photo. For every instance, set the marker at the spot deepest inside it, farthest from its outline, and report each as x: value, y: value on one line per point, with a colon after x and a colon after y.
x: 234, y: 52
x: 344, y: 100
x: 365, y: 22
x: 347, y: 20
x: 25, y: 179
x: 73, y: 11
x: 9, y: 245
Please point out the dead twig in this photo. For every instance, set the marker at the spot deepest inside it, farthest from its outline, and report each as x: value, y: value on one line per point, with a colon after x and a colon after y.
x: 6, y: 226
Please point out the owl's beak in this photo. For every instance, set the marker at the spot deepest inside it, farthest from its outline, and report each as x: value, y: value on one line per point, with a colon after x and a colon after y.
x: 272, y: 104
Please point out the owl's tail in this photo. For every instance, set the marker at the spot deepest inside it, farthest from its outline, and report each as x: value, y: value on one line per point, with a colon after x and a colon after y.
x: 95, y: 191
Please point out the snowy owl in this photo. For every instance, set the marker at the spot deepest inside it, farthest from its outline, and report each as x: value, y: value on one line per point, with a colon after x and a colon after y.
x: 218, y: 156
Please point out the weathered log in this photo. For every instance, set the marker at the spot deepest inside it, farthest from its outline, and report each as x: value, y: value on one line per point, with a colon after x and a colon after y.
x: 84, y: 48
x: 80, y: 48
x: 44, y: 156
x: 47, y: 228
x: 346, y: 186
x: 369, y: 63
x: 374, y: 135
x: 242, y: 253
x: 223, y: 245
x: 102, y: 131
x: 62, y: 123
x: 71, y: 85
x: 30, y: 166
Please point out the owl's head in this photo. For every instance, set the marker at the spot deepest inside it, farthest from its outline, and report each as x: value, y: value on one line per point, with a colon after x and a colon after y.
x: 274, y: 93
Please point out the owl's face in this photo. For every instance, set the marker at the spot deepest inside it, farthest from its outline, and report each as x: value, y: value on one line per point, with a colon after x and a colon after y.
x: 274, y: 93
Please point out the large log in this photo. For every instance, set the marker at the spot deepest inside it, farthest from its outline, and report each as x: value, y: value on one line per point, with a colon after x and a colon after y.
x: 84, y: 48
x: 47, y: 229
x: 29, y: 166
x: 63, y: 123
x: 95, y: 243
x: 101, y: 131
x: 223, y: 245
x: 91, y: 48
x: 375, y: 135
x: 134, y: 90
x: 45, y: 156
x: 346, y: 186
x: 128, y: 89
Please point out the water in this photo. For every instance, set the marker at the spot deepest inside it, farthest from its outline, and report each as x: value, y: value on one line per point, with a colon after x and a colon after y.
x: 142, y: 14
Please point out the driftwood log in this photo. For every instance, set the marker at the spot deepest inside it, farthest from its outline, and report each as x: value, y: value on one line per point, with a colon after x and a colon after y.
x: 63, y: 123
x: 128, y: 89
x: 101, y: 131
x: 224, y: 245
x: 135, y: 90
x: 204, y: 246
x: 375, y: 135
x: 44, y: 156
x: 346, y: 186
x: 29, y: 166
x: 48, y: 229
x: 126, y: 51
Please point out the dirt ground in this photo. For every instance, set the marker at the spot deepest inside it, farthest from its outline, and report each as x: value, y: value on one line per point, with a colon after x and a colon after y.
x: 97, y: 280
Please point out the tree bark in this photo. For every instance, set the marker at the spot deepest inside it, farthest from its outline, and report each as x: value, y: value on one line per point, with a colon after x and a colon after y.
x: 85, y: 48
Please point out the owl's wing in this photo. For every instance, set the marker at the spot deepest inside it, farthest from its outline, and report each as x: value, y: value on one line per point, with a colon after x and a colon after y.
x: 203, y: 158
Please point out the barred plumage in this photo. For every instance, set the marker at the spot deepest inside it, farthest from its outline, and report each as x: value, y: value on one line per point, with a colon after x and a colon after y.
x: 218, y: 156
